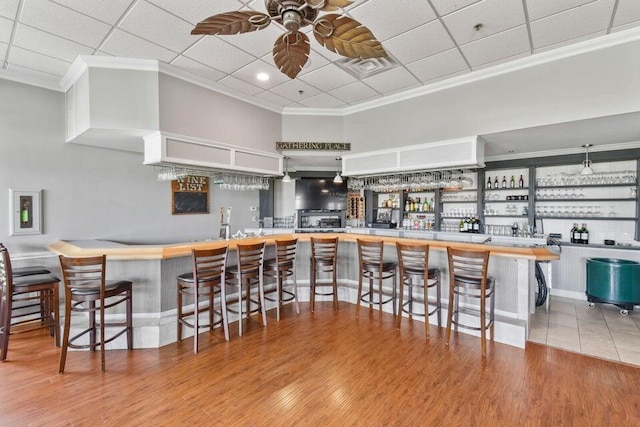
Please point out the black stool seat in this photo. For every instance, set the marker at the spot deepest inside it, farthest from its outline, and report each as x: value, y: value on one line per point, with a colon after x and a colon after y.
x: 29, y: 271
x: 111, y: 287
x: 32, y: 280
x: 386, y: 266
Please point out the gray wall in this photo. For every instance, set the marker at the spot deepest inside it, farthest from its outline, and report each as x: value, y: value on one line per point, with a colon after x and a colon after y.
x: 90, y: 192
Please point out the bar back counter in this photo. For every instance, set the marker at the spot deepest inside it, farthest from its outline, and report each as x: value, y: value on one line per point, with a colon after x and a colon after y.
x: 154, y: 268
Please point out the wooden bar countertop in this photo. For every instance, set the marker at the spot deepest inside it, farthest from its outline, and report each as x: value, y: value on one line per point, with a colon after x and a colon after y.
x: 121, y: 251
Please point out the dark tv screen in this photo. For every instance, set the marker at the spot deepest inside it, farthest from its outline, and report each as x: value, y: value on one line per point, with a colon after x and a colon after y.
x: 314, y: 193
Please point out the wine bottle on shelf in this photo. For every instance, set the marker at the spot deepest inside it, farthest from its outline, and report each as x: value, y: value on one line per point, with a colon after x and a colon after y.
x: 476, y: 225
x: 432, y: 206
x: 496, y: 184
x: 504, y: 182
x: 425, y: 205
x: 462, y: 225
x: 584, y: 234
x: 572, y: 233
x: 512, y: 182
x: 489, y: 183
x: 521, y: 182
x: 407, y: 205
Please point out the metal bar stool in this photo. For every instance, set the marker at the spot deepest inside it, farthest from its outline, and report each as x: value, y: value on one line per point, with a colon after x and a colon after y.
x: 324, y: 259
x: 28, y: 301
x: 246, y: 275
x: 206, y: 280
x: 415, y: 273
x: 282, y: 267
x: 468, y: 278
x: 374, y: 268
x: 84, y: 285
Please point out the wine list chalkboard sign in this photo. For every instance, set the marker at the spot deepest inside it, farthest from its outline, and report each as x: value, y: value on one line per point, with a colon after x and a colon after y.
x: 190, y: 195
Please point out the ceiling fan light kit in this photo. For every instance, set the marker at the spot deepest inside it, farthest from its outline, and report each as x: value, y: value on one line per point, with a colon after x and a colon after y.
x: 337, y: 33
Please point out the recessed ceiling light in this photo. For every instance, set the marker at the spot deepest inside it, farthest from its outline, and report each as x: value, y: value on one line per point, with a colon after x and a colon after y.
x: 263, y: 77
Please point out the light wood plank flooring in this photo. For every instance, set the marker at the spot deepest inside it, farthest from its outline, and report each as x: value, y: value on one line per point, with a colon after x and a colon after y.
x: 320, y: 369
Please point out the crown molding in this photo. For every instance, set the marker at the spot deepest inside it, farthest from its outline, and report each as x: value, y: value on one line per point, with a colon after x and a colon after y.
x: 84, y: 62
x: 31, y: 80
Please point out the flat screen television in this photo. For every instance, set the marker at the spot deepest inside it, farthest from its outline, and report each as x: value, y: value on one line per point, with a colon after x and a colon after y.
x: 313, y: 193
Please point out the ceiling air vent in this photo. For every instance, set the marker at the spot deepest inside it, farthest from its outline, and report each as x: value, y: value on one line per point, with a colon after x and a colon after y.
x: 363, y: 68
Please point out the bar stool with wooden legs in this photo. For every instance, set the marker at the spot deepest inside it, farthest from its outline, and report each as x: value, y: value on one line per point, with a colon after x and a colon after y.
x: 28, y: 301
x: 374, y: 268
x: 282, y: 267
x: 84, y: 286
x: 206, y: 280
x: 248, y: 274
x: 468, y: 278
x: 415, y: 273
x: 324, y: 259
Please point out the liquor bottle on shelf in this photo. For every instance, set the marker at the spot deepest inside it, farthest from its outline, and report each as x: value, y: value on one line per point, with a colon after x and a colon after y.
x: 521, y: 182
x: 489, y: 183
x: 496, y: 184
x: 432, y: 206
x: 476, y: 225
x: 425, y: 205
x: 512, y: 182
x: 584, y: 234
x: 407, y: 205
x: 462, y: 225
x: 504, y: 182
x: 574, y: 234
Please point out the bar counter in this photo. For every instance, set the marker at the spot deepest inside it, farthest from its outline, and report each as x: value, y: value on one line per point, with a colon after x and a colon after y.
x: 153, y: 270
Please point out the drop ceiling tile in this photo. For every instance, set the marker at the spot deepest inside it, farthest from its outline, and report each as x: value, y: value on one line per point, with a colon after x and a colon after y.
x: 101, y: 53
x: 38, y: 62
x: 218, y: 54
x: 573, y: 23
x: 257, y: 43
x: 328, y: 78
x: 107, y: 11
x: 323, y: 100
x: 498, y: 46
x: 387, y: 19
x: 48, y: 44
x: 3, y: 51
x: 419, y: 43
x: 439, y: 65
x: 197, y: 68
x: 571, y: 41
x: 64, y: 22
x: 121, y: 43
x: 391, y: 81
x: 540, y: 8
x: 195, y: 11
x: 239, y: 85
x: 158, y: 26
x: 292, y: 88
x: 624, y: 27
x: 9, y: 8
x: 494, y: 15
x: 274, y: 99
x: 249, y: 73
x: 6, y: 26
x: 445, y: 7
x: 628, y: 11
x: 355, y: 92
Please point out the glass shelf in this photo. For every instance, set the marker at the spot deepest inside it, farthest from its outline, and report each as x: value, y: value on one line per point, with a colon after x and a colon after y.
x: 506, y: 216
x: 506, y: 189
x: 628, y: 184
x: 623, y: 199
x: 459, y: 201
x: 506, y: 201
x: 588, y: 218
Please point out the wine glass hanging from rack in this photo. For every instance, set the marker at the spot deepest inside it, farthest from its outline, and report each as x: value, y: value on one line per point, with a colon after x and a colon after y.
x: 226, y: 180
x: 414, y: 182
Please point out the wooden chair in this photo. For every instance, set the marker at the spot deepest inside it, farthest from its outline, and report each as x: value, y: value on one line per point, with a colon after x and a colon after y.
x: 206, y: 280
x: 324, y: 259
x: 415, y: 273
x: 468, y: 278
x: 84, y: 286
x: 374, y: 268
x: 28, y: 301
x: 280, y: 268
x: 248, y: 274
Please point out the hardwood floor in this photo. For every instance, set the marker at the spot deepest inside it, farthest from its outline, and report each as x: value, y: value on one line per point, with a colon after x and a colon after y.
x: 325, y: 368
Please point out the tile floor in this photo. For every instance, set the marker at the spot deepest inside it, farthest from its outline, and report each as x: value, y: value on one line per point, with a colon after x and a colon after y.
x: 599, y: 331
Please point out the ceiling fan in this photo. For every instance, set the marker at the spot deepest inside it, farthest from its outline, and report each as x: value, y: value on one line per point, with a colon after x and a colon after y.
x: 338, y: 33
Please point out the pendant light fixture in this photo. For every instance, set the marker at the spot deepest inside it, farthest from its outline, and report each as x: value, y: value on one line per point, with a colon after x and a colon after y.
x: 338, y: 178
x: 586, y: 164
x: 286, y: 177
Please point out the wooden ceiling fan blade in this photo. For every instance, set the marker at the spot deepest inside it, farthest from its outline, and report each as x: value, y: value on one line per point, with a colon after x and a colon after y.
x: 328, y: 5
x: 347, y: 37
x: 232, y: 23
x: 291, y: 52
